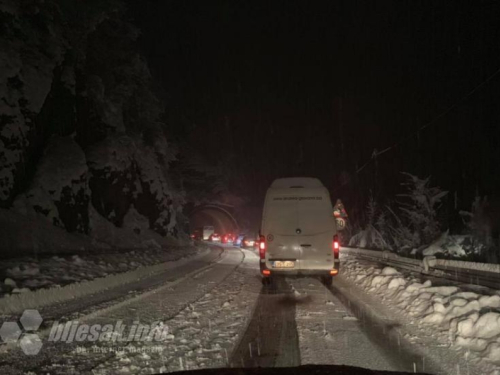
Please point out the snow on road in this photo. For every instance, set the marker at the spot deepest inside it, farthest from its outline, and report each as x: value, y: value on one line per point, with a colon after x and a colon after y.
x: 370, y: 317
x: 206, y: 312
x: 329, y: 333
x: 16, y: 303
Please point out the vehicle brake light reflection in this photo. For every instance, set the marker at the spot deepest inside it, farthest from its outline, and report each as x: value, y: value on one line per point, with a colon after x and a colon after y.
x: 262, y: 247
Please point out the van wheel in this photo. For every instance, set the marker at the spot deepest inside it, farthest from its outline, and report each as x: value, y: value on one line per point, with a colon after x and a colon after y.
x: 266, y: 281
x: 327, y: 280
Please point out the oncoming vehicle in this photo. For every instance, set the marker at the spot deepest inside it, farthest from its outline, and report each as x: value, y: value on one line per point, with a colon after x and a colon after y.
x: 298, y: 235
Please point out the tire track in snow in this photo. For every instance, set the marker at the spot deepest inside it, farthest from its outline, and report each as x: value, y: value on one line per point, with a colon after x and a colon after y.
x: 270, y: 339
x: 337, y: 327
x: 206, y: 330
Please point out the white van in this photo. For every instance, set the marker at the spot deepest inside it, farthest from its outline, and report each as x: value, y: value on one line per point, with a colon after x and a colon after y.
x: 298, y: 235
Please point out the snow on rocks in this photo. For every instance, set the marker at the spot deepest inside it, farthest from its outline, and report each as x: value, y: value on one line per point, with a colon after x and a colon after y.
x: 472, y: 319
x: 389, y: 271
x: 26, y: 74
x: 127, y: 168
x: 9, y: 282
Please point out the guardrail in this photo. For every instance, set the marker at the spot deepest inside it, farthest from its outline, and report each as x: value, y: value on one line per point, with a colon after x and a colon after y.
x: 483, y: 274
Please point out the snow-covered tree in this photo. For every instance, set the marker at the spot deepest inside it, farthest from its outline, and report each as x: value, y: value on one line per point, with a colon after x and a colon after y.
x: 479, y: 226
x: 412, y: 224
x: 374, y: 234
x: 418, y: 224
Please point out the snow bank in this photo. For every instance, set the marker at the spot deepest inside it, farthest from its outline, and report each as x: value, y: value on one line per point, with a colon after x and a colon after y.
x: 472, y: 318
x: 16, y: 303
x: 37, y: 240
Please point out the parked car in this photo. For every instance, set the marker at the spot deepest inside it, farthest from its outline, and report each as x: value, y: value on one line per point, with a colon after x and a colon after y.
x: 215, y: 237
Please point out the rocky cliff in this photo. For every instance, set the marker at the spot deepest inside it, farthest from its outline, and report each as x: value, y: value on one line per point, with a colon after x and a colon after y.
x: 81, y: 131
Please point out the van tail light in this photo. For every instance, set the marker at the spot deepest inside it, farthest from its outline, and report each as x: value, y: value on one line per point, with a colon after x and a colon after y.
x: 336, y: 246
x: 262, y: 247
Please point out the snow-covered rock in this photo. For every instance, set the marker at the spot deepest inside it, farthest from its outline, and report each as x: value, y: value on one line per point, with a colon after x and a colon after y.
x: 60, y: 189
x: 134, y: 221
x: 80, y: 125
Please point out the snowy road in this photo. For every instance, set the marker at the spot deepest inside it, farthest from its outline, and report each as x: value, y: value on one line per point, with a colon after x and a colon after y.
x: 198, y: 306
x: 218, y: 314
x: 302, y: 322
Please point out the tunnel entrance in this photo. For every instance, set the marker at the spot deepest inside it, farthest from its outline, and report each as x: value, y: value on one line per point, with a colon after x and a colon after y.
x: 220, y: 218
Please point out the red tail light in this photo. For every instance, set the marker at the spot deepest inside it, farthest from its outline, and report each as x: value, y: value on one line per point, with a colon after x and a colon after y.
x: 336, y: 246
x: 262, y: 247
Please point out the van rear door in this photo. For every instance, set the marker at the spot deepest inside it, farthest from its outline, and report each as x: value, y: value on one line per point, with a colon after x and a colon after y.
x: 317, y: 227
x: 280, y: 222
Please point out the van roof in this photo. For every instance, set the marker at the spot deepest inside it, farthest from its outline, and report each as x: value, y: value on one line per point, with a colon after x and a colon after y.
x: 296, y: 182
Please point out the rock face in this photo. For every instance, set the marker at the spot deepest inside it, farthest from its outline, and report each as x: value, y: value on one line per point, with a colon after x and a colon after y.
x: 80, y: 128
x: 59, y: 190
x: 128, y: 175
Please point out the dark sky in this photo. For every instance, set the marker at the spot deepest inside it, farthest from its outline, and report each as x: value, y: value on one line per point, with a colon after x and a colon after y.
x: 281, y: 88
